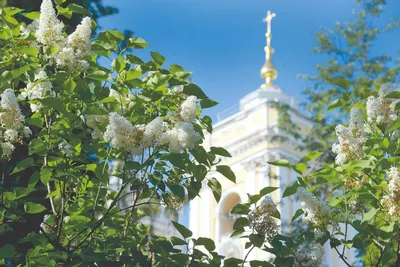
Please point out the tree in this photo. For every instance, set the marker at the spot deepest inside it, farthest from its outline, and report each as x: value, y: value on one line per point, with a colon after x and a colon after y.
x: 350, y: 73
x: 64, y: 118
x: 72, y: 10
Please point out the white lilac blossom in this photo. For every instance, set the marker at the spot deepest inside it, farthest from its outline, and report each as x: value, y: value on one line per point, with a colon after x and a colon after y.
x: 11, y: 135
x: 261, y: 219
x: 79, y: 40
x: 391, y: 200
x: 66, y: 148
x: 38, y: 89
x: 314, y: 210
x: 188, y: 109
x: 351, y: 139
x: 309, y: 255
x: 12, y: 117
x: 183, y: 136
x: 7, y: 148
x: 49, y: 31
x: 153, y: 132
x: 66, y: 59
x: 380, y: 110
x: 123, y: 135
x: 32, y: 27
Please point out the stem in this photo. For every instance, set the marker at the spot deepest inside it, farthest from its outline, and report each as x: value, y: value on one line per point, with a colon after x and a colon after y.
x: 51, y: 200
x: 341, y: 256
x: 248, y: 253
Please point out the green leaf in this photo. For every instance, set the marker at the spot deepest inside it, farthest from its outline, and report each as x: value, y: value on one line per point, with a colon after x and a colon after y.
x: 220, y: 151
x: 393, y: 126
x: 216, y: 188
x: 30, y: 51
x: 206, y: 242
x: 45, y: 175
x: 297, y: 214
x: 334, y: 201
x: 54, y: 103
x: 177, y: 241
x: 338, y: 103
x: 32, y: 208
x: 388, y: 228
x: 257, y: 263
x: 159, y: 59
x: 341, y: 82
x: 186, y: 233
x: 69, y: 85
x: 241, y: 208
x: 267, y: 190
x: 7, y: 251
x: 32, y: 15
x: 117, y: 35
x: 37, y: 146
x: 227, y: 172
x: 59, y: 2
x: 240, y: 223
x: 137, y: 43
x: 281, y: 163
x: 118, y: 64
x: 24, y: 164
x: 389, y: 257
x: 290, y: 190
x: 192, y: 89
x: 257, y: 239
x: 394, y: 94
x: 98, y: 75
x: 78, y: 9
x: 208, y: 103
x: 232, y: 262
x: 310, y: 156
x: 370, y: 214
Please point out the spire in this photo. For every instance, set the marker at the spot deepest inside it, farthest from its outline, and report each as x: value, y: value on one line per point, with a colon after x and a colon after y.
x: 268, y: 71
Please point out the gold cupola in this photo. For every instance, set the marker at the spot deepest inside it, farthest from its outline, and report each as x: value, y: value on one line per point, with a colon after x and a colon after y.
x: 268, y: 71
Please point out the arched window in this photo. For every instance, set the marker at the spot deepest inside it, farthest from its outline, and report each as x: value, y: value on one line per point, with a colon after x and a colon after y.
x: 226, y: 219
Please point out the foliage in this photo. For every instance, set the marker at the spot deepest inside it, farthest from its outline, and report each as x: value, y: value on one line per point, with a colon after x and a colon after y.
x: 351, y: 72
x: 72, y: 19
x: 361, y: 210
x: 57, y: 206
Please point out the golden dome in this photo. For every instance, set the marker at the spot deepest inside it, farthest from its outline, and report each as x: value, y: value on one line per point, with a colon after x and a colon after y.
x: 268, y: 71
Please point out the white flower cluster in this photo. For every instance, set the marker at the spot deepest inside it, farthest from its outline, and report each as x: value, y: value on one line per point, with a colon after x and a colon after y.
x: 123, y: 135
x: 261, y: 220
x: 188, y: 109
x: 351, y: 139
x: 12, y: 119
x: 180, y: 136
x: 309, y: 255
x: 38, y: 89
x: 73, y: 49
x: 392, y: 200
x: 183, y: 136
x: 380, y: 110
x: 49, y: 30
x: 314, y: 210
x: 66, y: 148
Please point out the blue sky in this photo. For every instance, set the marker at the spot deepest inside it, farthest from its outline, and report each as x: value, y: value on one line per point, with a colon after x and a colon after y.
x: 222, y: 41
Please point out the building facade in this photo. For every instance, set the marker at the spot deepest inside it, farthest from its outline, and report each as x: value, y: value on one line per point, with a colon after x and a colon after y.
x: 248, y: 133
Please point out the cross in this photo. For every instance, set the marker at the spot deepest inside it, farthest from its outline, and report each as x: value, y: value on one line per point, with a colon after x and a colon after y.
x: 268, y: 20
